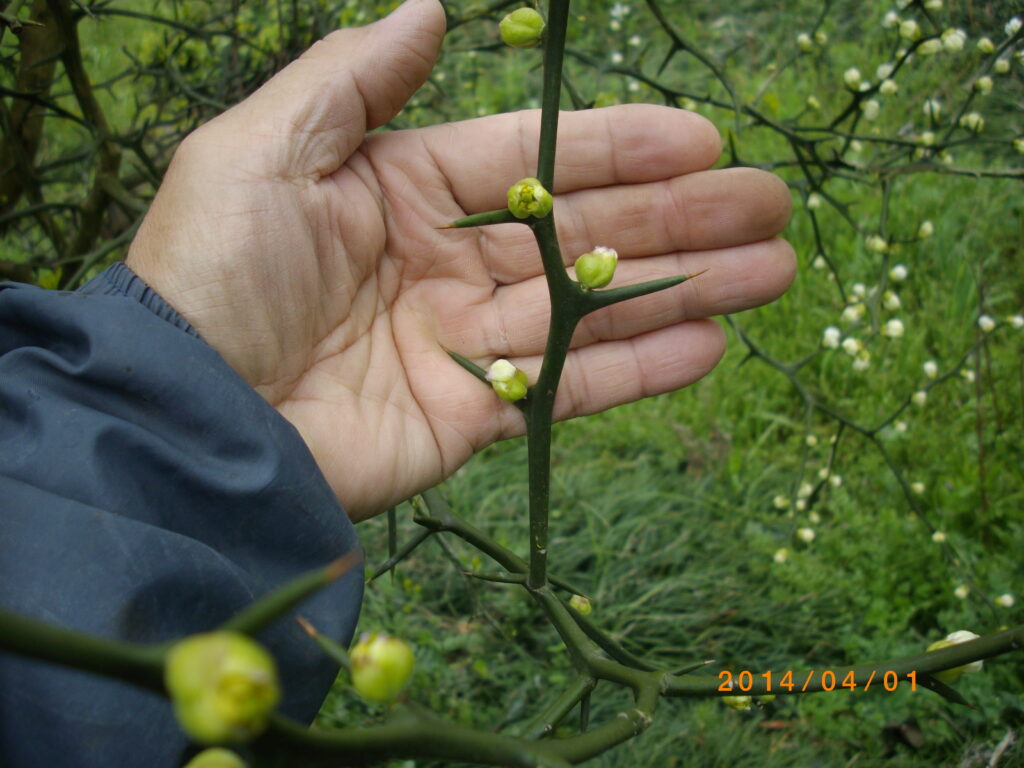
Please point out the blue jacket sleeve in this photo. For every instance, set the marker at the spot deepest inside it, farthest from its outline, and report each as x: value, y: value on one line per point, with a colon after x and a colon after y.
x: 146, y: 492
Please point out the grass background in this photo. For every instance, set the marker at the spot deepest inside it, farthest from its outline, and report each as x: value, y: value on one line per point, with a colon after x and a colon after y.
x: 665, y: 510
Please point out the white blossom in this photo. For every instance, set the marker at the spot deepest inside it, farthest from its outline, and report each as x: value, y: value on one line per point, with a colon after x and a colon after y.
x: 985, y: 45
x: 1017, y: 321
x: 812, y: 102
x: 893, y: 328
x: 635, y: 41
x: 780, y: 556
x: 890, y: 20
x: 917, y: 488
x: 617, y: 57
x: 931, y: 369
x: 854, y: 312
x: 926, y: 229
x: 910, y: 30
x: 933, y: 5
x: 830, y: 338
x: 836, y: 480
x: 962, y: 591
x: 888, y: 87
x: 919, y: 398
x: 819, y: 262
x: 900, y: 427
x: 927, y: 138
x: 939, y: 537
x: 1013, y: 26
x: 983, y: 85
x: 780, y: 502
x: 883, y: 71
x: 852, y: 78
x: 954, y: 39
x: 1006, y: 600
x: 810, y: 441
x: 876, y: 244
x: 852, y: 346
x: 1001, y: 67
x: 890, y: 300
x: 930, y: 47
x: 898, y: 273
x: 803, y: 42
x: 805, y: 535
x: 813, y: 201
x: 932, y: 109
x: 968, y: 375
x: 859, y: 289
x: 870, y: 109
x: 986, y: 323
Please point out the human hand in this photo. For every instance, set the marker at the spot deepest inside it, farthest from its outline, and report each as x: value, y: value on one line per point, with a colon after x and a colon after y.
x: 308, y: 254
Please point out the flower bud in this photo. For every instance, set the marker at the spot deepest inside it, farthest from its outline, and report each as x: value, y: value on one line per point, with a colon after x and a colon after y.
x: 852, y: 78
x: 507, y: 380
x: 527, y: 197
x: 973, y: 121
x: 1018, y: 145
x: 381, y: 666
x: 597, y: 268
x: 870, y: 109
x: 898, y: 273
x: 806, y: 535
x: 216, y: 758
x: 932, y: 109
x: 930, y: 47
x: 926, y: 229
x: 985, y: 45
x: 739, y: 703
x: 890, y: 20
x: 950, y: 676
x: 580, y: 604
x: 522, y: 28
x: 803, y: 42
x: 223, y: 686
x: 909, y: 30
x: 1013, y: 26
x: 813, y: 201
x: 986, y: 323
x: 954, y: 39
x: 876, y: 244
x: 821, y: 37
x: 894, y: 328
x: 1005, y: 600
x: 888, y: 87
x: 931, y: 369
x: 830, y: 338
x: 920, y: 397
x: 983, y: 85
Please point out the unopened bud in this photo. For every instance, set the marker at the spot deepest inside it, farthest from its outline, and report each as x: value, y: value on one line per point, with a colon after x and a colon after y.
x: 223, y: 686
x: 803, y: 42
x: 1001, y: 67
x: 527, y: 197
x: 910, y: 30
x: 926, y: 229
x: 523, y: 28
x: 739, y: 703
x: 983, y: 85
x: 985, y: 45
x: 973, y: 121
x: 950, y: 676
x: 597, y: 268
x: 580, y: 604
x: 507, y: 380
x: 381, y: 666
x: 852, y: 78
x: 216, y: 758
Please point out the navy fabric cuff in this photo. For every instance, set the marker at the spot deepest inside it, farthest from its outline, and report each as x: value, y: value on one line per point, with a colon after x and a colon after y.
x: 148, y: 493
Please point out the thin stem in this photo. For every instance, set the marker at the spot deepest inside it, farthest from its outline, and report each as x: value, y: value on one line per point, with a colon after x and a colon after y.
x: 554, y: 52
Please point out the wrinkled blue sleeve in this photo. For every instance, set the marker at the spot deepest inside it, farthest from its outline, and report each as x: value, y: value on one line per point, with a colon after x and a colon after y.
x: 146, y: 492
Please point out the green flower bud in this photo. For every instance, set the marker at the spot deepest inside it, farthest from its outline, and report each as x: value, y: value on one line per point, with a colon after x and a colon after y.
x: 580, y: 604
x: 950, y: 676
x: 507, y: 380
x: 597, y: 268
x: 381, y: 666
x: 527, y: 197
x: 739, y: 703
x: 216, y: 758
x: 223, y: 686
x: 522, y: 28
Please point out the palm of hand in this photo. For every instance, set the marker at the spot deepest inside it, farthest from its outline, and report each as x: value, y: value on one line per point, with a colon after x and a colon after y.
x: 312, y: 261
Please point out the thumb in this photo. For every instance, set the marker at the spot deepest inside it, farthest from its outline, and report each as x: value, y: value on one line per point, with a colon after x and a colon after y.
x: 309, y: 118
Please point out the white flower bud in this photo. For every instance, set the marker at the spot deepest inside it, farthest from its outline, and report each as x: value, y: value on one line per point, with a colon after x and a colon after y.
x: 986, y: 323
x: 1006, y: 600
x: 900, y: 427
x: 813, y: 201
x: 1017, y: 321
x: 803, y: 42
x: 1013, y: 26
x: 930, y: 47
x: 870, y: 109
x: 927, y: 229
x: 852, y: 346
x: 931, y: 369
x: 863, y: 361
x: 890, y: 20
x: 927, y: 138
x: 888, y: 87
x: 1018, y: 145
x: 876, y: 244
x: 805, y: 535
x: 856, y: 146
x: 898, y: 273
x: 780, y: 502
x: 820, y: 37
x: 954, y: 39
x: 596, y: 268
x: 501, y: 370
x: 968, y: 375
x: 810, y: 441
x: 858, y: 289
x: 1001, y: 67
x: 983, y: 85
x: 939, y: 537
x: 780, y: 555
x: 830, y: 338
x: 962, y: 591
x: 806, y: 489
x: 919, y: 398
x: 854, y: 312
x: 508, y: 382
x: 852, y: 78
x: 836, y: 481
x: 813, y: 103
x: 950, y: 676
x: 909, y: 30
x: 801, y: 505
x: 819, y: 262
x: 972, y: 121
x: 985, y: 45
x: 890, y: 300
x: 933, y: 5
x: 933, y: 109
x: 893, y: 328
x: 917, y: 488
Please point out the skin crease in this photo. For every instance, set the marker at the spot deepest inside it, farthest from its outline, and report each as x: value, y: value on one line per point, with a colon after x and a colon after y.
x: 307, y: 252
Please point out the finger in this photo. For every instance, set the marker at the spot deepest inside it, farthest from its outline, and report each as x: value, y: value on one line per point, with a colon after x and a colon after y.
x: 309, y: 118
x: 605, y: 375
x: 626, y: 144
x: 514, y: 321
x: 699, y: 211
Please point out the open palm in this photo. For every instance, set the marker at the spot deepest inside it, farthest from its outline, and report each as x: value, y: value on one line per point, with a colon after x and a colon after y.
x: 309, y: 255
